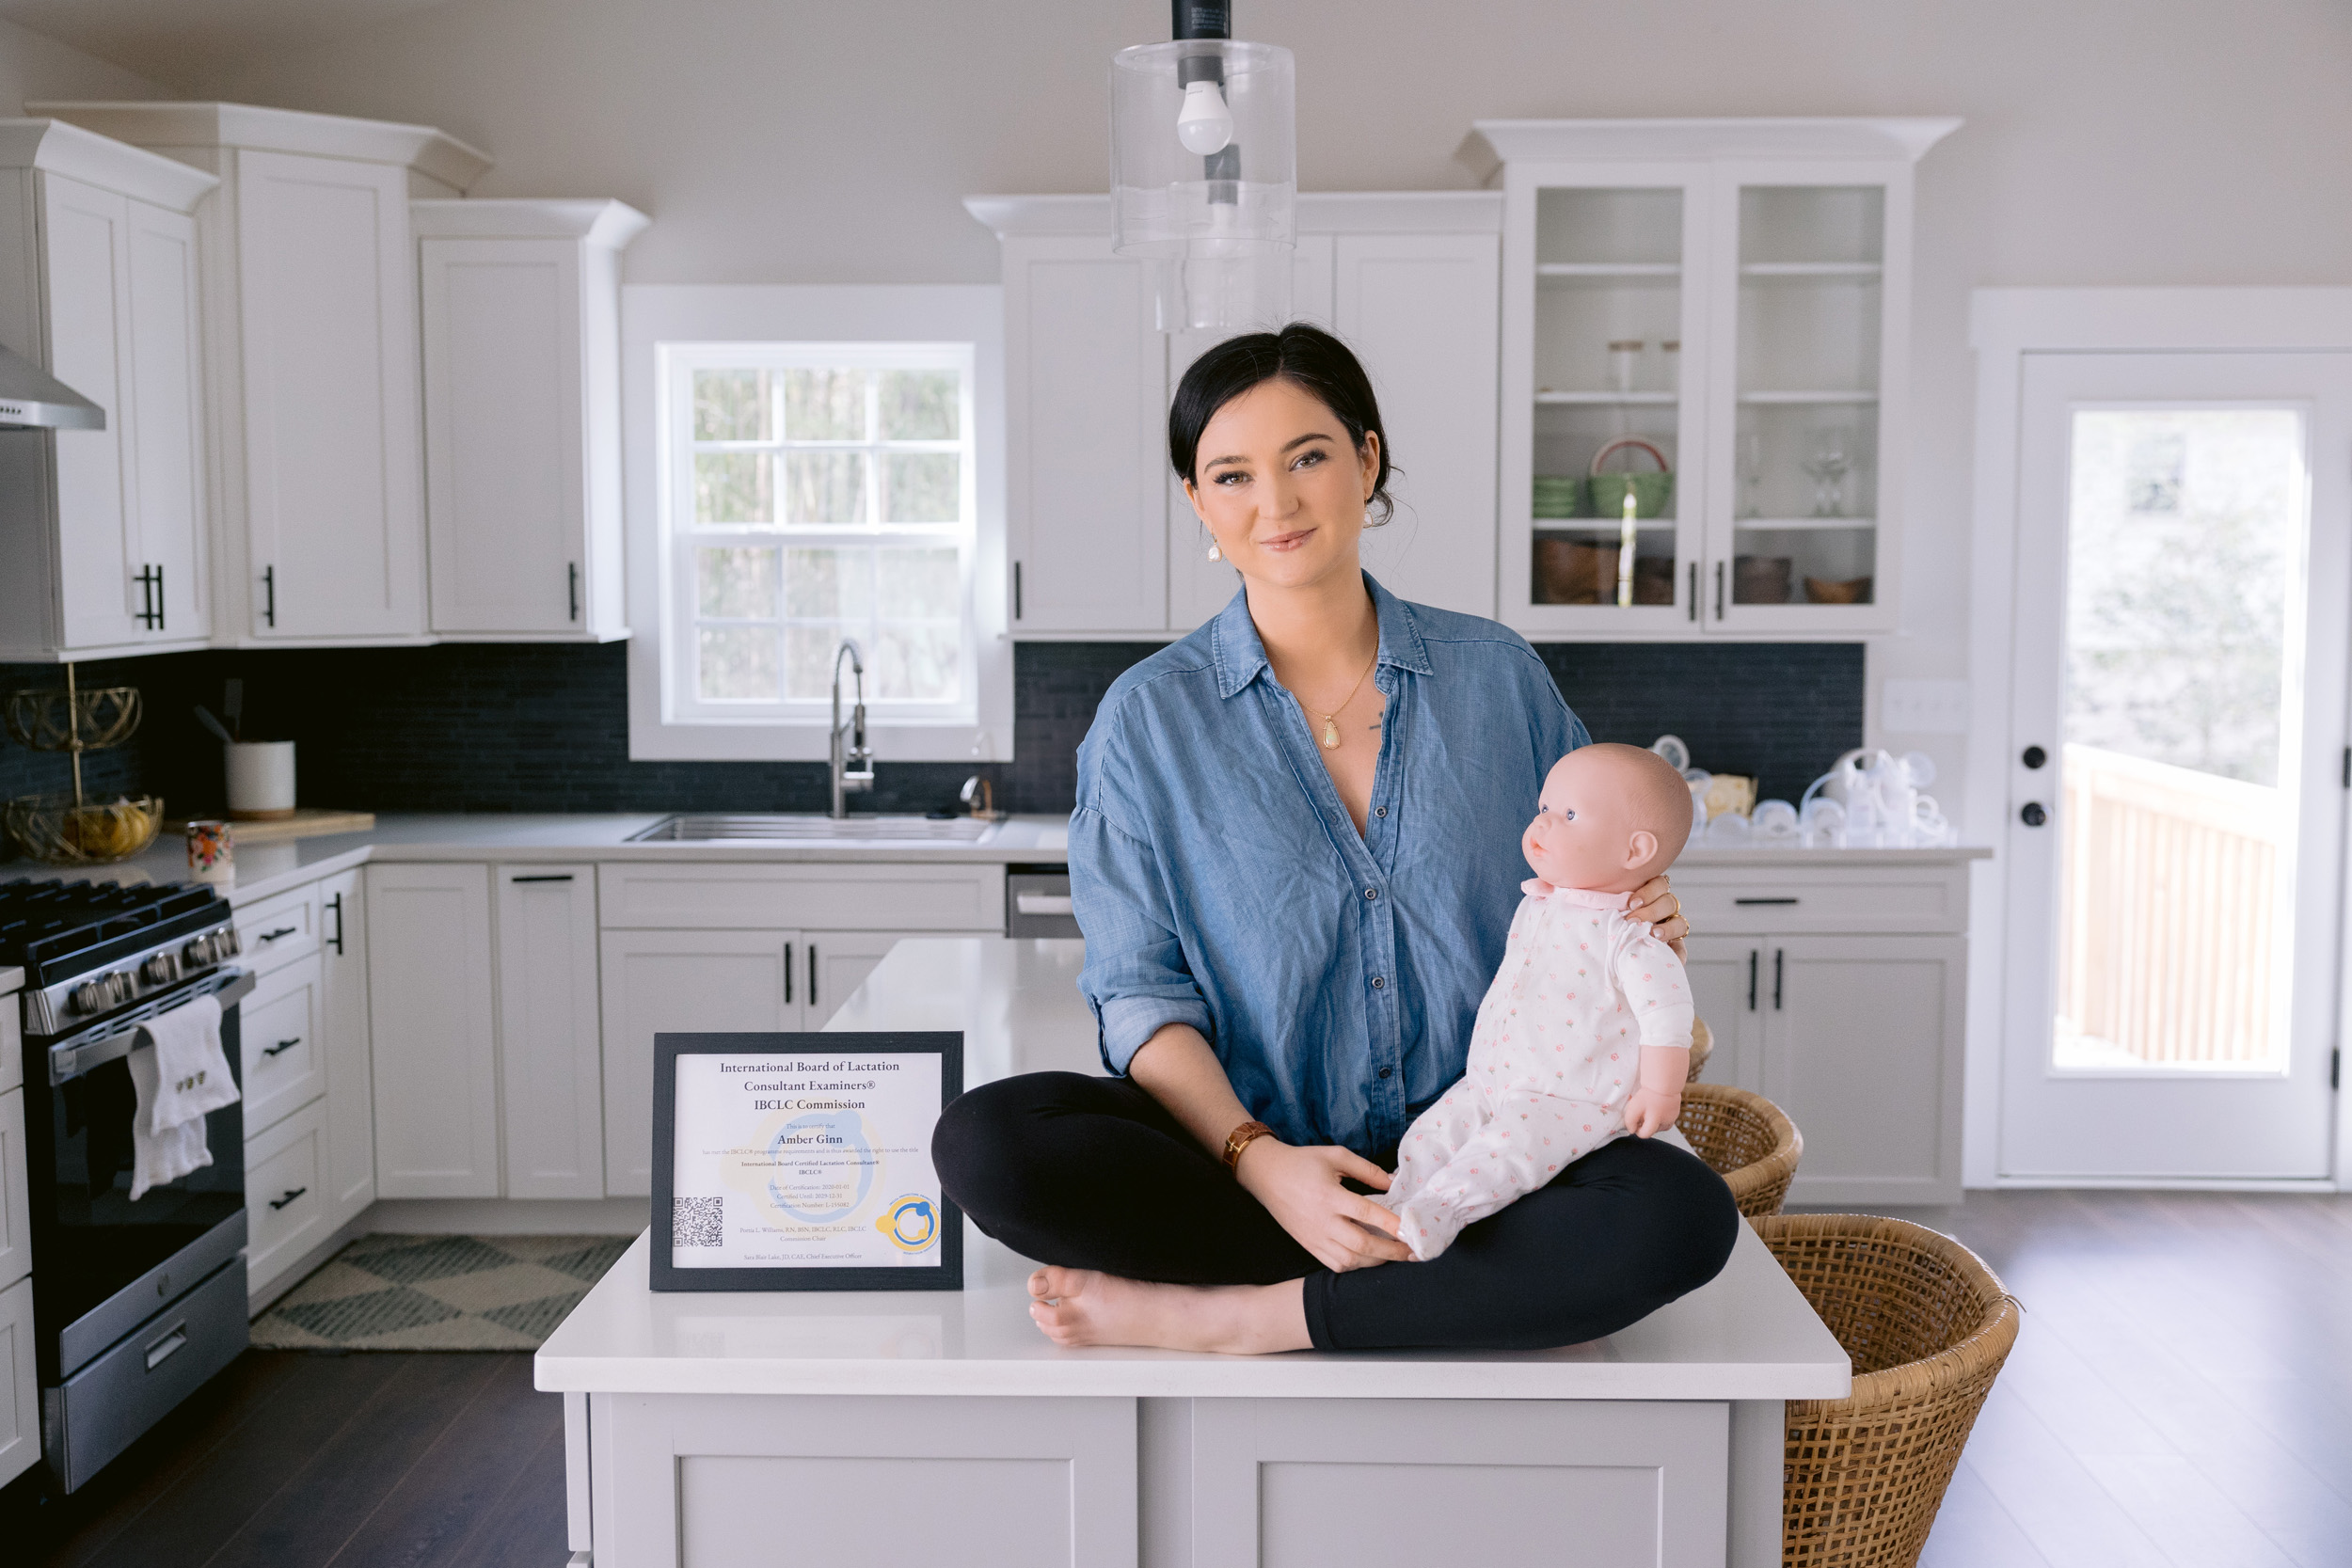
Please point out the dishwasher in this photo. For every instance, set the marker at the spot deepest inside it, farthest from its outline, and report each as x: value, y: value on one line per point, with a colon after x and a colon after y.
x: 1036, y: 902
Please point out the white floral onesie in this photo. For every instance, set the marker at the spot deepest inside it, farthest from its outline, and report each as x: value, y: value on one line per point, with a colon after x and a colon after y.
x: 1554, y: 1057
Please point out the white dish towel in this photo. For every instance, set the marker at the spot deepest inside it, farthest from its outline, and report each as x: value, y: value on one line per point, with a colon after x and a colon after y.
x: 180, y: 1072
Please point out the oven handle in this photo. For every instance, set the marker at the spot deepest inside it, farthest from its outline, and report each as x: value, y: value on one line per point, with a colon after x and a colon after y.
x: 112, y: 1039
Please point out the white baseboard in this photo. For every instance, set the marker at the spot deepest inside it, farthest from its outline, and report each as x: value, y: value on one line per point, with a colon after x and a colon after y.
x: 2166, y: 1184
x: 508, y: 1216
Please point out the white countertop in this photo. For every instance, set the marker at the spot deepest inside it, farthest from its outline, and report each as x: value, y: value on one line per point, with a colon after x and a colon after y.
x: 1748, y: 1335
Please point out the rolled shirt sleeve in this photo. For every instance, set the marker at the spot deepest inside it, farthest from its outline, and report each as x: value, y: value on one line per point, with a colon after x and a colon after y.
x: 1134, y: 978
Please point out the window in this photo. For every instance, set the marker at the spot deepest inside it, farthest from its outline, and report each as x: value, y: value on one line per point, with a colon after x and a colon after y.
x: 812, y: 493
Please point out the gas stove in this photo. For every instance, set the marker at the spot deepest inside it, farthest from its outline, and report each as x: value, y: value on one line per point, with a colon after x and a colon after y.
x: 90, y: 950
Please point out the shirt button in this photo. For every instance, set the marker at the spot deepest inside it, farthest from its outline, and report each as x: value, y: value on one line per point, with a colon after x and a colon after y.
x: 1379, y: 811
x: 1372, y: 893
x: 1385, y: 1071
x: 1378, y: 982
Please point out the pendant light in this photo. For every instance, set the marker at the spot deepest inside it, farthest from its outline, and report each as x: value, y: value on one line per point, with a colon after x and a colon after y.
x: 1204, y: 179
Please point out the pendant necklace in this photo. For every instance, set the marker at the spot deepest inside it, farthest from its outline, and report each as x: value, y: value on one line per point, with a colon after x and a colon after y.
x: 1331, y: 719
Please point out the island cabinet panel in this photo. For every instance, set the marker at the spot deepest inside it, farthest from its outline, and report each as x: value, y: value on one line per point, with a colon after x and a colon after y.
x: 343, y: 1024
x: 16, y: 1237
x: 681, y: 982
x: 20, y: 1393
x: 548, y: 1039
x: 432, y: 1024
x: 1290, y: 1483
x: 698, y: 1481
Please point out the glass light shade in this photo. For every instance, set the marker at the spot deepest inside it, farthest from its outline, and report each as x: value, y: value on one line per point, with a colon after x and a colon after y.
x: 1219, y: 226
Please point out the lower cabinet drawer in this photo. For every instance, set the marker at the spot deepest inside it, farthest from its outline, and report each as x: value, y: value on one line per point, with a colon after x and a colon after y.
x: 278, y: 930
x: 285, y: 1068
x: 285, y: 1193
x: 20, y: 1393
x: 1765, y: 902
x: 105, y: 1407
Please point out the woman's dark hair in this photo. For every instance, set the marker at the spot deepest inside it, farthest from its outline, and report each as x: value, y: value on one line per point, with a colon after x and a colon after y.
x: 1307, y: 356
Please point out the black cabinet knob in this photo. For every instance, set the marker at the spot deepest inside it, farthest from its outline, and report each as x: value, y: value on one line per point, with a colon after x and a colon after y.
x: 2035, y: 756
x: 2033, y: 815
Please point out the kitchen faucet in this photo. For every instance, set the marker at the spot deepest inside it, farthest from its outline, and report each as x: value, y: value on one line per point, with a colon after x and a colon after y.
x: 853, y: 764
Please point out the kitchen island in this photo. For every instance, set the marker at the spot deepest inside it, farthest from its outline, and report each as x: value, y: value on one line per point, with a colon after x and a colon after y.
x: 916, y: 1427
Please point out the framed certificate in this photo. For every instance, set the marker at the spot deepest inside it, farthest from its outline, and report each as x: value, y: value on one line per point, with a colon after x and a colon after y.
x: 802, y: 1163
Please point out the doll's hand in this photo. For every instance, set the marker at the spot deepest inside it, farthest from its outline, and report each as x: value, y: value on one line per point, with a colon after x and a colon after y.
x: 1650, y: 1111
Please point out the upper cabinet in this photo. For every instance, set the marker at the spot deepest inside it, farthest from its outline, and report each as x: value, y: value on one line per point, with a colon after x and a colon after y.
x: 1724, y: 303
x: 522, y: 383
x: 310, y: 289
x: 102, y: 532
x: 1104, y: 542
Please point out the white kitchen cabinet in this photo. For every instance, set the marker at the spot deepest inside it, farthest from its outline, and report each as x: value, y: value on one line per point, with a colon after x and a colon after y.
x: 284, y: 1057
x: 16, y: 1219
x: 20, y: 1393
x: 522, y: 383
x: 838, y: 963
x: 343, y: 1027
x: 310, y: 311
x: 550, y: 1065
x: 286, y: 1202
x: 103, y: 546
x: 433, y: 1031
x: 1410, y: 279
x: 1756, y: 274
x: 1839, y: 992
x: 681, y: 982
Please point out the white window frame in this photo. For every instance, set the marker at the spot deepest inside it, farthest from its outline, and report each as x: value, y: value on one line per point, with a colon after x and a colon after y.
x: 665, y: 330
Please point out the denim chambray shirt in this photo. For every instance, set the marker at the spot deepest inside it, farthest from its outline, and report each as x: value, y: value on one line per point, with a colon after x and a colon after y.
x: 1220, y: 884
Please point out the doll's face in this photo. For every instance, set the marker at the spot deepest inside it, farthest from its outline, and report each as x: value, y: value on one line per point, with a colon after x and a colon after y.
x: 1606, y: 822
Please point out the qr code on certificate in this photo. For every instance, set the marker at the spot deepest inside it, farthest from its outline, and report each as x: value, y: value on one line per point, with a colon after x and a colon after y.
x: 696, y: 1222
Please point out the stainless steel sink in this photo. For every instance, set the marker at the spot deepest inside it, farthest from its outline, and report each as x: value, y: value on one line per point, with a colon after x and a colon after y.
x: 795, y: 827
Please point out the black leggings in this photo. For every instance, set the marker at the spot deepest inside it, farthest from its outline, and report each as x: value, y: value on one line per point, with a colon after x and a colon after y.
x: 1092, y: 1173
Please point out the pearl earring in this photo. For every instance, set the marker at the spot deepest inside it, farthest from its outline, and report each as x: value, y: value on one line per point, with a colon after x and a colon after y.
x: 1215, y: 551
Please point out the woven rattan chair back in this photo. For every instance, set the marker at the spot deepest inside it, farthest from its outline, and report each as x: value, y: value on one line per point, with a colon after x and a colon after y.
x: 1702, y: 1047
x: 1746, y: 1139
x: 1927, y: 1326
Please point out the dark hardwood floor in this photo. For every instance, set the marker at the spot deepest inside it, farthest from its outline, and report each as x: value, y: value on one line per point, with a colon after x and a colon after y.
x: 2180, y: 1397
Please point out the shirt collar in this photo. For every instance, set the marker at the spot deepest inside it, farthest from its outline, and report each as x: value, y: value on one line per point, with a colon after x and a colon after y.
x: 1583, y: 898
x: 1240, y: 655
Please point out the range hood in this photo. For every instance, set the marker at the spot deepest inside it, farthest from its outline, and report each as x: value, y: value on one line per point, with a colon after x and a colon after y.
x: 32, y: 398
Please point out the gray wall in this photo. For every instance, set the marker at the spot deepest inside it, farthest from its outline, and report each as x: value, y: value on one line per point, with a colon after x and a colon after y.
x: 32, y: 65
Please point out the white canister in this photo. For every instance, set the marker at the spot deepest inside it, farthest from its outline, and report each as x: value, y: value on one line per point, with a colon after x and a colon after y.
x: 260, y: 780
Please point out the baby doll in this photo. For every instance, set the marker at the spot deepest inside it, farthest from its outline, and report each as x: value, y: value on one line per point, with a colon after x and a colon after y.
x: 1585, y: 1034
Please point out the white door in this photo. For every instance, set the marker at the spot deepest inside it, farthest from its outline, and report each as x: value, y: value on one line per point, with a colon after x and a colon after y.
x: 1422, y: 311
x: 2175, y: 814
x: 1084, y: 438
x: 86, y: 243
x: 549, y: 1052
x: 343, y: 1026
x: 433, y: 1031
x: 166, y: 535
x: 1722, y: 972
x: 504, y: 427
x: 334, y: 454
x: 680, y: 982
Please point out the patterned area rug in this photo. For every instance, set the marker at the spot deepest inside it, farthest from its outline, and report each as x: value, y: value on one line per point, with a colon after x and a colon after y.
x: 438, y: 1292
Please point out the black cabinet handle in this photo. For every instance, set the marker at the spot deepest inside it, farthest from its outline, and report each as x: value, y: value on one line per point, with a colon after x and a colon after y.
x: 281, y: 1047
x: 812, y: 975
x: 269, y: 595
x: 1016, y: 589
x: 549, y: 877
x: 1777, y: 965
x: 1750, y: 979
x: 282, y: 931
x: 788, y: 974
x: 1694, y: 591
x: 575, y: 570
x: 1763, y: 900
x: 1718, y: 591
x: 281, y: 1202
x: 150, y: 581
x: 335, y: 907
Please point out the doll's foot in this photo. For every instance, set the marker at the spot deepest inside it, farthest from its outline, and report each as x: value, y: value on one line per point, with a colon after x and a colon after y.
x: 1085, y: 1307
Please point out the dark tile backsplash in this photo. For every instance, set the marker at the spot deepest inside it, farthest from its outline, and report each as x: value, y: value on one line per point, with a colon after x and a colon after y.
x: 510, y: 728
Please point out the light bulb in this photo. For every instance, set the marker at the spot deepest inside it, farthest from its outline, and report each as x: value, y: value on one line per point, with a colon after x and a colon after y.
x: 1205, y: 125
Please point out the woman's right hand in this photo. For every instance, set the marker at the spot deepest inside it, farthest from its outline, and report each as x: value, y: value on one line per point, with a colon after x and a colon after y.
x: 1300, y: 1188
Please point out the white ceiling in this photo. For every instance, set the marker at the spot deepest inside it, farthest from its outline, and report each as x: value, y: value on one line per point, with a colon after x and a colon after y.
x: 177, y: 41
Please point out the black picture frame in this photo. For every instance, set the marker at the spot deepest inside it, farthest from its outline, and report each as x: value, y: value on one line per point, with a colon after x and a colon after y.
x: 946, y: 1275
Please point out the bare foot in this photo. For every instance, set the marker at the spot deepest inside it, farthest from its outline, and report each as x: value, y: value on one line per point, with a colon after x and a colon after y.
x: 1084, y: 1306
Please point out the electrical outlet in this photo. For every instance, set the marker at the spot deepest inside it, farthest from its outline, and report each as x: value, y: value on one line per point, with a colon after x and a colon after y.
x: 1923, y: 707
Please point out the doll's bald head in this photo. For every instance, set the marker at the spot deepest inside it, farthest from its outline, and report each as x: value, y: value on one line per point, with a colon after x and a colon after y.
x: 1611, y: 817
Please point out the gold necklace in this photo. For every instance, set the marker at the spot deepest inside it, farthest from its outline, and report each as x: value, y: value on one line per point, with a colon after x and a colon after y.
x: 1331, y: 719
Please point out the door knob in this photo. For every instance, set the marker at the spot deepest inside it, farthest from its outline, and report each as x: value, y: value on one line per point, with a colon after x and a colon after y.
x: 2035, y: 756
x: 2033, y: 815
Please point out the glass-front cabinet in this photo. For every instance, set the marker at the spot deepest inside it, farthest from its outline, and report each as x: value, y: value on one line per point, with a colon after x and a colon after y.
x: 1702, y: 373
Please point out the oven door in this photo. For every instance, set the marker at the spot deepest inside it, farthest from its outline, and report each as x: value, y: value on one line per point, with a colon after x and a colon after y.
x: 107, y: 1264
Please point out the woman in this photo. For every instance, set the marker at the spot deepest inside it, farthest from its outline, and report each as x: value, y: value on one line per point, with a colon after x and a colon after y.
x: 1295, y: 858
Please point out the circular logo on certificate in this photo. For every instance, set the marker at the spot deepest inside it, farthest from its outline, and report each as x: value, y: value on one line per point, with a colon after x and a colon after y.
x: 912, y: 1223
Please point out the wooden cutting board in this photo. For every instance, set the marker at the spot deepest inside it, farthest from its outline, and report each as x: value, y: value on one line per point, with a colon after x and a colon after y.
x: 307, y: 822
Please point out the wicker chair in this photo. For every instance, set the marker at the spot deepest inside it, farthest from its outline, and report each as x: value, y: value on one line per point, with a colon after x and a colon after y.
x: 1927, y: 1326
x: 1746, y: 1139
x: 1702, y: 1047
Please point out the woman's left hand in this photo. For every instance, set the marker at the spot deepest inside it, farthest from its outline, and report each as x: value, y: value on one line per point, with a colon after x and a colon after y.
x: 1655, y: 902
